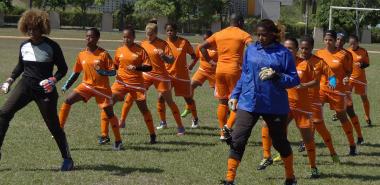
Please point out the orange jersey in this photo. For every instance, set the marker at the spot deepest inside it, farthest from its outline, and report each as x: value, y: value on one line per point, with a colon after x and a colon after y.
x: 204, y: 65
x: 340, y: 63
x: 87, y: 62
x: 321, y: 69
x: 299, y: 98
x: 230, y: 43
x: 180, y: 48
x: 359, y: 56
x: 153, y: 48
x: 133, y: 55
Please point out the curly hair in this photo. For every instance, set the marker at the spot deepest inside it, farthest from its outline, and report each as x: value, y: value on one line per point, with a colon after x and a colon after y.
x: 34, y: 19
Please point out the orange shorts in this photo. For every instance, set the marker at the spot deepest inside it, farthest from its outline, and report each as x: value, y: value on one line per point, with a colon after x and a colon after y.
x: 120, y: 89
x: 336, y: 99
x: 102, y: 96
x: 162, y: 84
x: 201, y: 76
x: 302, y: 118
x: 317, y: 112
x: 358, y: 87
x: 182, y: 87
x: 225, y: 84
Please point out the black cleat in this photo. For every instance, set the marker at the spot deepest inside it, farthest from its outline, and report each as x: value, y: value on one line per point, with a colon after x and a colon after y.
x: 265, y: 163
x: 315, y: 173
x: 102, y: 140
x: 360, y: 141
x: 67, y: 165
x: 224, y: 182
x: 227, y: 134
x: 153, y: 139
x: 352, y: 151
x: 301, y: 147
x: 334, y: 117
x: 369, y: 123
x: 290, y: 182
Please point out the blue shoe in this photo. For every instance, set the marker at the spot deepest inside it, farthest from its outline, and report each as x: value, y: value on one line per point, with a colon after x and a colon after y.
x: 163, y: 125
x: 118, y: 146
x: 180, y: 131
x: 102, y: 140
x: 67, y: 165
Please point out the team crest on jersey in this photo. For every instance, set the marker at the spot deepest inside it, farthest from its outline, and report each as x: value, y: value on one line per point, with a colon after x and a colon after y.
x: 121, y: 56
x: 156, y: 50
x: 335, y: 61
x: 179, y: 49
x: 358, y: 57
x: 134, y: 56
x: 83, y: 62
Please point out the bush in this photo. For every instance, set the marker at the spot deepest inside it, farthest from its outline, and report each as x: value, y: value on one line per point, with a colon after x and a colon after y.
x: 297, y: 30
x: 11, y: 18
x: 375, y: 34
x: 75, y: 19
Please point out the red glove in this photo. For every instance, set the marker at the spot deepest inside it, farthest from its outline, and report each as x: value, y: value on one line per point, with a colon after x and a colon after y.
x: 48, y: 84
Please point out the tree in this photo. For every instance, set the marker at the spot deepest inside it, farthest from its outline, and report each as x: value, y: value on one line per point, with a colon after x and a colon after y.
x: 83, y: 5
x: 5, y: 5
x: 51, y: 4
x: 153, y: 8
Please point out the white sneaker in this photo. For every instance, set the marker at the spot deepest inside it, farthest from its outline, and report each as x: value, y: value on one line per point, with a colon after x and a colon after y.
x: 195, y: 123
x: 222, y: 138
x: 163, y: 125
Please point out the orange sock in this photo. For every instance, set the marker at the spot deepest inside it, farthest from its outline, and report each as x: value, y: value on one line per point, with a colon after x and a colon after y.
x: 326, y: 136
x: 161, y: 109
x: 356, y: 125
x: 232, y: 165
x: 347, y: 127
x: 176, y: 115
x: 366, y: 109
x: 222, y: 114
x: 63, y: 114
x: 267, y: 142
x: 193, y: 108
x: 149, y: 122
x: 104, y: 124
x: 310, y: 149
x: 126, y: 107
x: 231, y: 119
x: 115, y: 128
x: 288, y: 165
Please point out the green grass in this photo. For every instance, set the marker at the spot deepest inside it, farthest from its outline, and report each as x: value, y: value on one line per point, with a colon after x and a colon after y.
x: 30, y: 156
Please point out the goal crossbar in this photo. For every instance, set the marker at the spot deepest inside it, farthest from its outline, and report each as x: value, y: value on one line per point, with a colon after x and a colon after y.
x: 347, y: 8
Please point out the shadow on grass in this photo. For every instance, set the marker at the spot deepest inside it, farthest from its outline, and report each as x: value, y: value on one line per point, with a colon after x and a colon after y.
x: 351, y: 176
x: 99, y: 148
x: 158, y: 149
x: 371, y: 154
x: 117, y: 170
x: 5, y: 169
x: 371, y: 144
x: 350, y: 163
x: 186, y: 143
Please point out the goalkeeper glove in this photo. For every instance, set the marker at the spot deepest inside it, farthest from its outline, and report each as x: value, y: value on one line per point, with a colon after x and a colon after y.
x: 232, y: 104
x: 6, y: 86
x: 48, y: 84
x: 267, y: 73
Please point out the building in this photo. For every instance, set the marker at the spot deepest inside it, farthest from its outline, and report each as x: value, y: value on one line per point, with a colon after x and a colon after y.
x: 268, y: 9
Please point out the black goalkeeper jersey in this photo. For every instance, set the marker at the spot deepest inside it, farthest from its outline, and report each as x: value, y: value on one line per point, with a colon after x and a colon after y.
x: 36, y: 61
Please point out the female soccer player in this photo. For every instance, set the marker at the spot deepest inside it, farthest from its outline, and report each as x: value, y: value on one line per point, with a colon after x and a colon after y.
x: 358, y: 80
x: 160, y: 54
x: 179, y: 72
x: 206, y: 71
x: 268, y: 70
x: 131, y: 60
x: 339, y: 62
x: 37, y: 58
x: 97, y: 65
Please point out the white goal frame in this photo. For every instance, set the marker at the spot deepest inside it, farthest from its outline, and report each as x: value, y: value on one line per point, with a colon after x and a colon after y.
x: 347, y: 8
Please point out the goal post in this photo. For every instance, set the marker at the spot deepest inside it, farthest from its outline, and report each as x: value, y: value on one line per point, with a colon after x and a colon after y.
x: 347, y: 8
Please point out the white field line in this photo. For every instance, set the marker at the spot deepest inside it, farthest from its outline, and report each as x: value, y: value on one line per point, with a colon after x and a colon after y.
x: 106, y: 40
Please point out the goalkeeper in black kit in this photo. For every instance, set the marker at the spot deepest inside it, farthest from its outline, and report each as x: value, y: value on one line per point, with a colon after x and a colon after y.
x: 37, y: 57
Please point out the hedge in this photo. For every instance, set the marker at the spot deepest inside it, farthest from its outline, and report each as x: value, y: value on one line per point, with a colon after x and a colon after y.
x: 75, y: 19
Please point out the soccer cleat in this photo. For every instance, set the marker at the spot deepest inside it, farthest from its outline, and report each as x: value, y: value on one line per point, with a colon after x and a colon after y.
x: 185, y: 113
x: 195, y: 123
x: 102, y: 140
x: 315, y: 173
x: 180, y: 131
x: 153, y: 139
x: 301, y: 147
x: 360, y: 141
x: 118, y: 146
x: 227, y: 134
x: 334, y: 118
x: 290, y: 182
x: 352, y: 151
x: 222, y: 138
x: 276, y: 157
x: 121, y: 124
x: 369, y: 123
x: 335, y: 159
x: 163, y: 125
x: 67, y: 165
x: 265, y: 163
x: 224, y: 182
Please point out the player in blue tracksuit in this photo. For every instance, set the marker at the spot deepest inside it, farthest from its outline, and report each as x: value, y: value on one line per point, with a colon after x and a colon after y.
x: 268, y: 70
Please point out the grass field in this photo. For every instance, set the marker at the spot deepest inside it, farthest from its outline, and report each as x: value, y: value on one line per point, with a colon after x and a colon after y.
x: 30, y: 156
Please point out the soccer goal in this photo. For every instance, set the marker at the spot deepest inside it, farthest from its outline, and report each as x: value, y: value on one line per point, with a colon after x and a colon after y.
x: 347, y: 8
